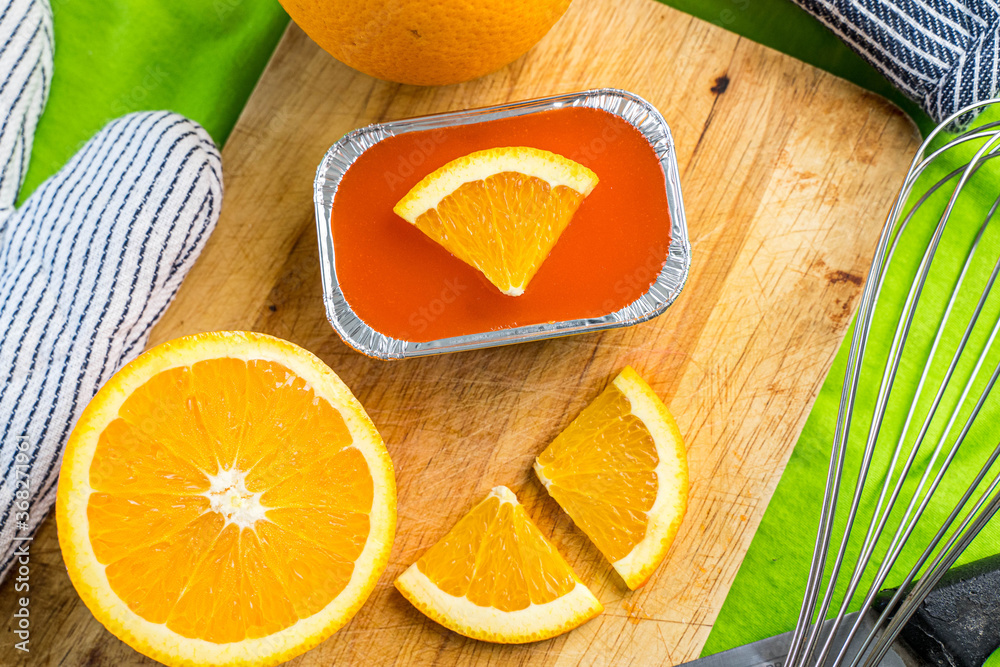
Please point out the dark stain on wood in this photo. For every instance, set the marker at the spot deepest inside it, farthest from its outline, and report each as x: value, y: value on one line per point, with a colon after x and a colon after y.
x: 721, y: 84
x: 838, y: 277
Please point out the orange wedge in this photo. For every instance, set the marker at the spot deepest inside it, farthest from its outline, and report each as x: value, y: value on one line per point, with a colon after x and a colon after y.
x: 499, y: 210
x: 496, y: 578
x: 225, y: 500
x: 620, y: 471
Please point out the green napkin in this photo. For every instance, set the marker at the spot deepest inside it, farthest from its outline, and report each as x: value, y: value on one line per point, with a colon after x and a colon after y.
x: 200, y: 58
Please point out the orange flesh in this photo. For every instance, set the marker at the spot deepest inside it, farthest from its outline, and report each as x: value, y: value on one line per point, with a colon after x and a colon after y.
x: 533, y: 217
x: 403, y: 284
x: 175, y: 560
x: 605, y: 436
x: 496, y: 557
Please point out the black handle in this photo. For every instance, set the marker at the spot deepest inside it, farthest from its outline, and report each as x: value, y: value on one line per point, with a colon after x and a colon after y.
x: 958, y: 625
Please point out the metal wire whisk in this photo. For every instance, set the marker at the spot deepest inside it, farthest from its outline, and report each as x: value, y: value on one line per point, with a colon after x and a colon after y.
x: 929, y: 439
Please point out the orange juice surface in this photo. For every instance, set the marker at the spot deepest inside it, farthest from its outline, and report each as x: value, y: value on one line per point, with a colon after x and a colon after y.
x: 403, y: 284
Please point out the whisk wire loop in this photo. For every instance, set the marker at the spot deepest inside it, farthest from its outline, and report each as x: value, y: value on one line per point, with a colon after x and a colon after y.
x: 813, y: 641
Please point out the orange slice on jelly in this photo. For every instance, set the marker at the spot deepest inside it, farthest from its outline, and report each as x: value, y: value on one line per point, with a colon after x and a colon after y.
x: 499, y: 210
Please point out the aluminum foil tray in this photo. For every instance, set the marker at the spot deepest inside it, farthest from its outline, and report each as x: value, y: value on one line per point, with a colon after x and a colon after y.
x: 627, y: 106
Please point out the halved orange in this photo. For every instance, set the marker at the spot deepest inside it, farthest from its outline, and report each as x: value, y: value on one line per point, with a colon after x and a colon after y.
x: 620, y: 471
x: 225, y: 500
x: 495, y: 577
x: 500, y: 210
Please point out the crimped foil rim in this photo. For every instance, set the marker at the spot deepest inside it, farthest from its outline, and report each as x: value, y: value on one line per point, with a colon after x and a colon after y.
x: 628, y: 106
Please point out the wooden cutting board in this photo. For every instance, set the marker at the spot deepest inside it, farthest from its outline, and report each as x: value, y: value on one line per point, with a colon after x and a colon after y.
x: 787, y: 173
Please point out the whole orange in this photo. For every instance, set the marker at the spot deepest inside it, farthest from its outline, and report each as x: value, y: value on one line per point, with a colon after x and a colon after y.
x: 426, y: 42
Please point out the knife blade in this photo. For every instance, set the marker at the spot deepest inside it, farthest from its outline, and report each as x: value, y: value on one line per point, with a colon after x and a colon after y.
x: 958, y: 625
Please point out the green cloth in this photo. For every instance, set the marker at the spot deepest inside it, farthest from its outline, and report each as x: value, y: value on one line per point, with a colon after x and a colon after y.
x: 202, y: 58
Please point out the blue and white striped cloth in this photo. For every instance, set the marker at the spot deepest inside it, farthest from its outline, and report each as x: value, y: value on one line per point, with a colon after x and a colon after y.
x: 941, y: 53
x: 87, y: 264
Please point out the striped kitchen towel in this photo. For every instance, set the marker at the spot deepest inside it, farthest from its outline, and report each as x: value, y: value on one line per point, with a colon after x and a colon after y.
x: 87, y: 264
x: 941, y: 53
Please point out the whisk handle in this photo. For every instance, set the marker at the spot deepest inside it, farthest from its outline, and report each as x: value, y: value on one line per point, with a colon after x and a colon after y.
x: 958, y: 625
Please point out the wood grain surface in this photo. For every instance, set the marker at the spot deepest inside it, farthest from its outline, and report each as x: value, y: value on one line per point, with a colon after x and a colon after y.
x: 787, y: 173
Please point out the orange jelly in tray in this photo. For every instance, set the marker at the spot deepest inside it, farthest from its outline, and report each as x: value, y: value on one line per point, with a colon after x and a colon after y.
x: 392, y: 292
